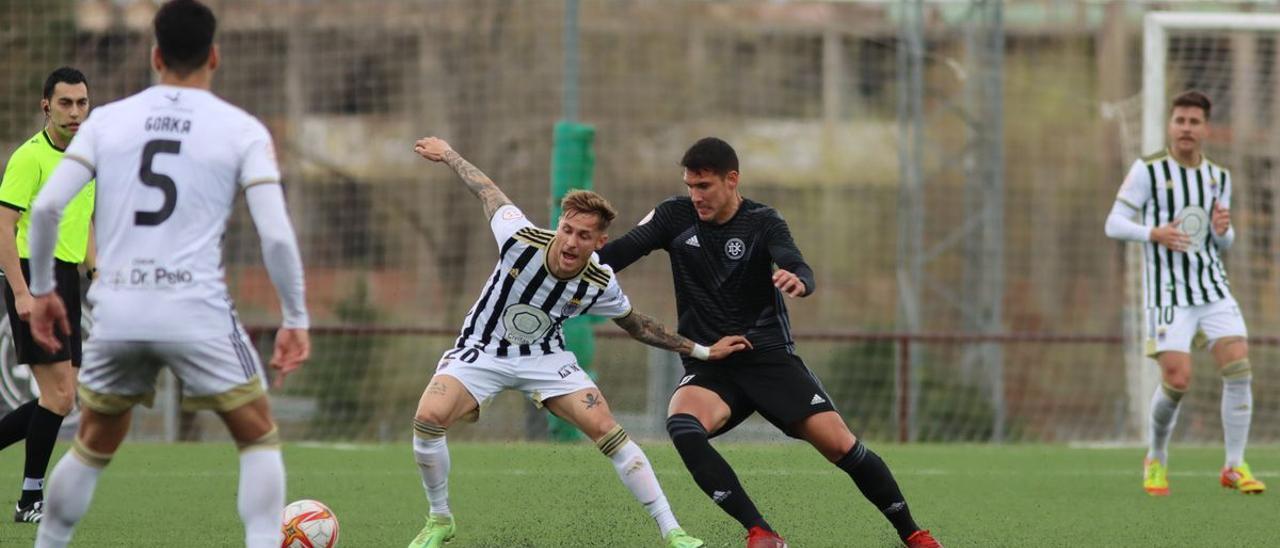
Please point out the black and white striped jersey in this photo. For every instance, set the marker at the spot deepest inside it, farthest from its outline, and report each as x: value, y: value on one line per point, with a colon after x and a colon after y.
x: 1158, y: 189
x: 523, y: 304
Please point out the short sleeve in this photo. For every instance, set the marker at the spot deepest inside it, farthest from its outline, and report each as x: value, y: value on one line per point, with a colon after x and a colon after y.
x: 259, y: 164
x: 612, y: 303
x: 1135, y: 191
x: 506, y: 221
x: 21, y: 179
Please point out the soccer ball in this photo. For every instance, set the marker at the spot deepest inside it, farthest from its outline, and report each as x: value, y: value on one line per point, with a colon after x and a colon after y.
x: 309, y: 524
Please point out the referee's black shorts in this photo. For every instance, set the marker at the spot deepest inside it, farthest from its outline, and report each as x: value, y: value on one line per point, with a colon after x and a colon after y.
x: 30, y: 353
x: 774, y: 383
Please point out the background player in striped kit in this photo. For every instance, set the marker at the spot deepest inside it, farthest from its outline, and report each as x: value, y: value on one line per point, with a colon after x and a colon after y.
x: 511, y: 340
x: 1186, y: 289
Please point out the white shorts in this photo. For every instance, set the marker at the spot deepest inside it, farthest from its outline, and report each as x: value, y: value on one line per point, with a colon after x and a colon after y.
x: 539, y: 377
x: 1174, y: 328
x: 219, y: 374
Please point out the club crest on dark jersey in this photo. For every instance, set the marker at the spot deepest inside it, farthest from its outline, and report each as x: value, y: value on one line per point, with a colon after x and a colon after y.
x: 735, y: 248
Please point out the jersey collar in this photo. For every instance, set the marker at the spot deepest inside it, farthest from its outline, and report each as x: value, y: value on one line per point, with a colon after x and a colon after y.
x: 45, y: 134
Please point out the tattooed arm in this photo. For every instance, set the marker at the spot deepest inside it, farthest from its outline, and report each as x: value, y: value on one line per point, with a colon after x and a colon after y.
x: 437, y: 150
x: 647, y: 330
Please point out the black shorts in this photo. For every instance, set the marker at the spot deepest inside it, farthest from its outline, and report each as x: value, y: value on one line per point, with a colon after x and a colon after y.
x: 68, y: 278
x: 774, y: 383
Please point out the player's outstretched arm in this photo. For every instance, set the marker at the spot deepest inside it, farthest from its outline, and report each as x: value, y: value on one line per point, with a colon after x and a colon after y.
x: 437, y: 150
x: 649, y: 331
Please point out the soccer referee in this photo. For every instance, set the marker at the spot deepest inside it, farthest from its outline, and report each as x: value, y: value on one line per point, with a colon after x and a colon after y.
x: 733, y: 260
x: 65, y: 105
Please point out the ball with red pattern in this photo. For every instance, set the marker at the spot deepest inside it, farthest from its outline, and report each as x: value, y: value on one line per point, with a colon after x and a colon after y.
x: 309, y: 524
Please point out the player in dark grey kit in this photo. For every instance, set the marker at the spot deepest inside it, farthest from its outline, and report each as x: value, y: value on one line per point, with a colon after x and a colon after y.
x: 724, y: 249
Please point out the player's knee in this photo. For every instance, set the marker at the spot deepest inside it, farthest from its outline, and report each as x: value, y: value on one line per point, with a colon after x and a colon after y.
x: 684, y: 424
x: 1230, y: 349
x: 84, y: 451
x: 433, y: 417
x: 1238, y: 371
x: 612, y: 440
x: 60, y: 400
x: 1176, y: 383
x: 427, y: 429
x: 268, y: 441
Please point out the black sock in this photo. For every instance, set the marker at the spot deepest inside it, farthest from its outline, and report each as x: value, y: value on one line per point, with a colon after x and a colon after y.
x: 13, y: 427
x: 41, y: 436
x: 873, y: 478
x: 711, y: 472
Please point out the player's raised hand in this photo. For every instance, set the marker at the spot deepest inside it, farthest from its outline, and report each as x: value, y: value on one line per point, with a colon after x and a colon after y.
x: 293, y: 347
x: 1170, y: 236
x: 48, y: 320
x: 432, y: 148
x: 1221, y: 219
x: 788, y: 283
x: 728, y: 345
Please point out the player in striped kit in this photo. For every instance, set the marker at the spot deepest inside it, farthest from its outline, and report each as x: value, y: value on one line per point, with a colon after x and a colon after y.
x: 511, y: 339
x: 1182, y: 203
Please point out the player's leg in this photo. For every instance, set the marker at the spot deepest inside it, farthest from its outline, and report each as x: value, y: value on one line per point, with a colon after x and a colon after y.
x: 1175, y: 378
x: 225, y: 375
x: 114, y: 379
x: 473, y: 377
x: 57, y: 382
x: 261, y: 489
x: 588, y: 410
x: 13, y: 426
x: 830, y: 435
x: 443, y: 402
x: 55, y: 377
x: 1170, y: 331
x: 75, y: 477
x: 702, y: 407
x: 1224, y: 326
x: 792, y: 398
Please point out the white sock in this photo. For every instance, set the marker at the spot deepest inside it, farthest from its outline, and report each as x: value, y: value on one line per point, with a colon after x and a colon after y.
x: 637, y: 474
x: 67, y: 499
x: 432, y: 456
x: 1237, y: 413
x: 261, y: 497
x: 1164, y: 415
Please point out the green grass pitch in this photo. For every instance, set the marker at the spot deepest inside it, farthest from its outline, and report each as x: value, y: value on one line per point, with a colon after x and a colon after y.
x: 508, y: 495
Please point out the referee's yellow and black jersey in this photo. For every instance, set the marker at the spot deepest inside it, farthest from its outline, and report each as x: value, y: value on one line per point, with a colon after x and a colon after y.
x: 523, y: 304
x: 24, y: 175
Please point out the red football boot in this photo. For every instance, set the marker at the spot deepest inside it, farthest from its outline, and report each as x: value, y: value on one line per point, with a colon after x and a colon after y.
x: 922, y: 539
x: 759, y: 537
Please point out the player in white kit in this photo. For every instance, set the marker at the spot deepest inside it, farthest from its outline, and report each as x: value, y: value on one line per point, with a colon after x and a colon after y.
x: 170, y: 162
x: 511, y: 339
x: 1182, y: 202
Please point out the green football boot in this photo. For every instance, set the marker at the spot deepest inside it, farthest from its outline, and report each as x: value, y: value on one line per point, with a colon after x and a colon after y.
x: 437, y: 531
x: 677, y: 538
